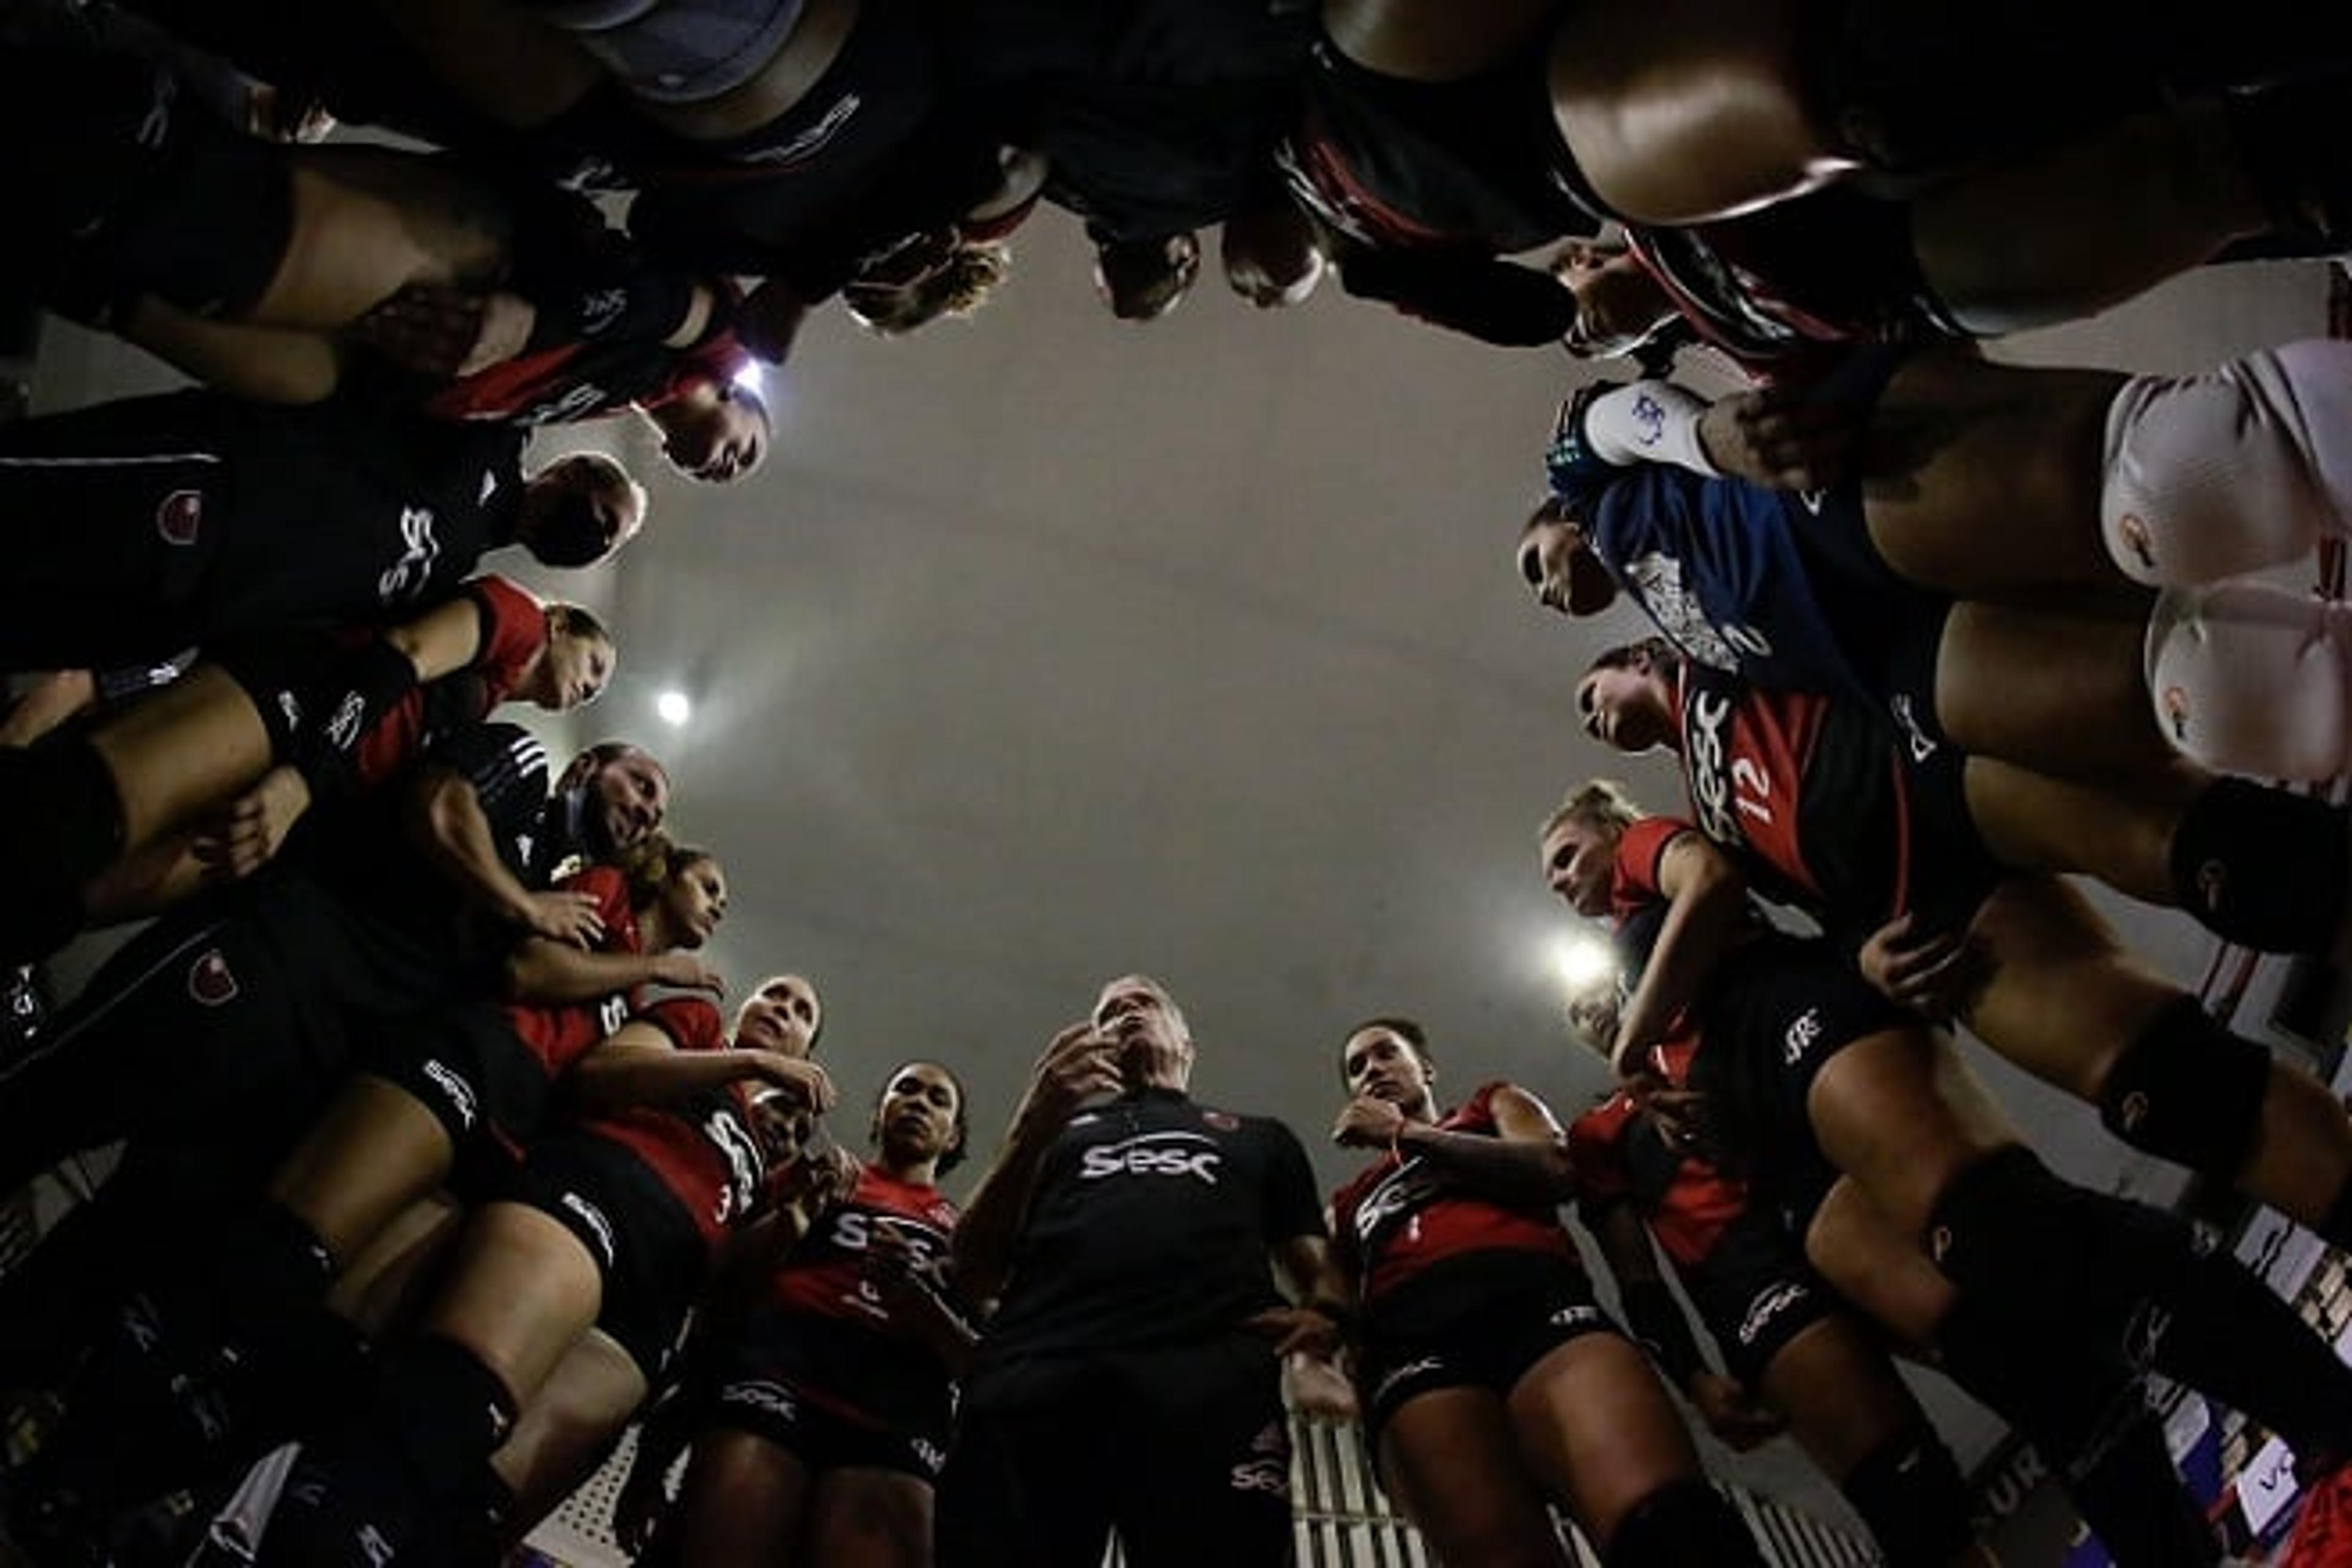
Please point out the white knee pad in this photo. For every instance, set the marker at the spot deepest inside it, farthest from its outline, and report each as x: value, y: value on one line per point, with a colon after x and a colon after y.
x: 2250, y: 679
x: 2246, y: 466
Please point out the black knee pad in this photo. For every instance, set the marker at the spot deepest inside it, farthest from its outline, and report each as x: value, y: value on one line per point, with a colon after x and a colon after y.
x: 2134, y: 1501
x: 1681, y: 1523
x: 2189, y: 1091
x: 400, y: 1467
x: 350, y: 1501
x: 1908, y: 1491
x: 2002, y: 1232
x: 60, y: 825
x: 2264, y: 866
x: 2037, y: 1252
x: 448, y: 1412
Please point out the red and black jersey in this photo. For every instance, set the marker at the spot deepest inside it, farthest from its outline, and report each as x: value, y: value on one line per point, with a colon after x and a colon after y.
x: 1619, y: 1156
x: 514, y: 632
x: 826, y: 1274
x: 705, y: 1151
x: 1397, y: 1217
x: 831, y: 1335
x: 560, y: 1032
x: 1634, y: 879
x: 1637, y: 906
x: 568, y: 380
x: 1810, y: 788
x: 602, y: 313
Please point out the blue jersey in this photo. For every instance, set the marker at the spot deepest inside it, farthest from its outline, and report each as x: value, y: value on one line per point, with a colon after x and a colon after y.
x: 1716, y: 563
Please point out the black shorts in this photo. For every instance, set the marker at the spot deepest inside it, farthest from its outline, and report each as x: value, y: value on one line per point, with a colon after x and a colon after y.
x: 204, y: 1029
x: 780, y: 185
x: 895, y: 1391
x: 1884, y: 817
x: 1184, y: 1451
x: 465, y: 1065
x: 152, y: 191
x: 646, y: 1246
x: 114, y: 524
x: 1478, y: 160
x: 748, y: 1398
x: 1887, y: 627
x: 1775, y: 1010
x: 1754, y: 1292
x: 1479, y: 1320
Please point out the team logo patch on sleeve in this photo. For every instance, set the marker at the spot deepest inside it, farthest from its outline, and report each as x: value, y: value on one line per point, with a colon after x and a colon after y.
x: 180, y: 517
x: 211, y: 981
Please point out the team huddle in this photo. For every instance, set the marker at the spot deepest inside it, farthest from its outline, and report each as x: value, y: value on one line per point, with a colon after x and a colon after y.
x: 440, y: 1167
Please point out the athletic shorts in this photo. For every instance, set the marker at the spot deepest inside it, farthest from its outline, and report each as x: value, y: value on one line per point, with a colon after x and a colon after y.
x: 1183, y: 1451
x: 1887, y: 826
x: 115, y: 524
x: 875, y: 1381
x: 151, y: 191
x: 646, y: 1246
x: 783, y: 184
x: 1754, y: 1292
x: 465, y: 1065
x: 202, y: 1030
x: 1472, y: 159
x: 1888, y: 629
x: 821, y: 1437
x: 1775, y: 1010
x: 1479, y: 1320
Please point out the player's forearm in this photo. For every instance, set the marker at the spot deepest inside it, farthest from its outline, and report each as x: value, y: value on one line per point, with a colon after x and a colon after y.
x: 1508, y: 1169
x: 990, y: 1225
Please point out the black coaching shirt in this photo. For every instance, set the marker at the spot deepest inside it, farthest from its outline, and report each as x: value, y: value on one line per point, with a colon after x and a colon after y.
x: 1149, y: 1225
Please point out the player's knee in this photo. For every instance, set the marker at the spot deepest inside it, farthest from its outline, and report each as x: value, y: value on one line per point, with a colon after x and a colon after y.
x: 2205, y: 477
x: 2262, y: 866
x: 2250, y: 679
x: 2187, y: 1089
x: 1684, y: 1522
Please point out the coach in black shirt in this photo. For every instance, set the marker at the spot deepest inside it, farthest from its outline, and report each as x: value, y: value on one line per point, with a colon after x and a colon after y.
x: 1130, y: 1379
x: 137, y: 528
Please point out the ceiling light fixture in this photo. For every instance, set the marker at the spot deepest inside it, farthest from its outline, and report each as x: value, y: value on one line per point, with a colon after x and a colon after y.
x: 1584, y: 962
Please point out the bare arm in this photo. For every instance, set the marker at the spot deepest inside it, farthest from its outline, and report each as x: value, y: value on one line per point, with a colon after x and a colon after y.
x: 1527, y: 1163
x: 916, y: 1303
x: 1661, y: 1328
x: 442, y: 641
x: 1433, y: 40
x: 1707, y: 906
x: 545, y: 971
x: 638, y: 1065
x: 1076, y: 1064
x: 445, y: 821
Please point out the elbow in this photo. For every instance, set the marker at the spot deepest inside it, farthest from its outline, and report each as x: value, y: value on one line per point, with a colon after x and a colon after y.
x: 1718, y: 890
x: 408, y: 641
x: 1558, y: 1173
x: 521, y: 977
x: 977, y: 1277
x: 435, y: 812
